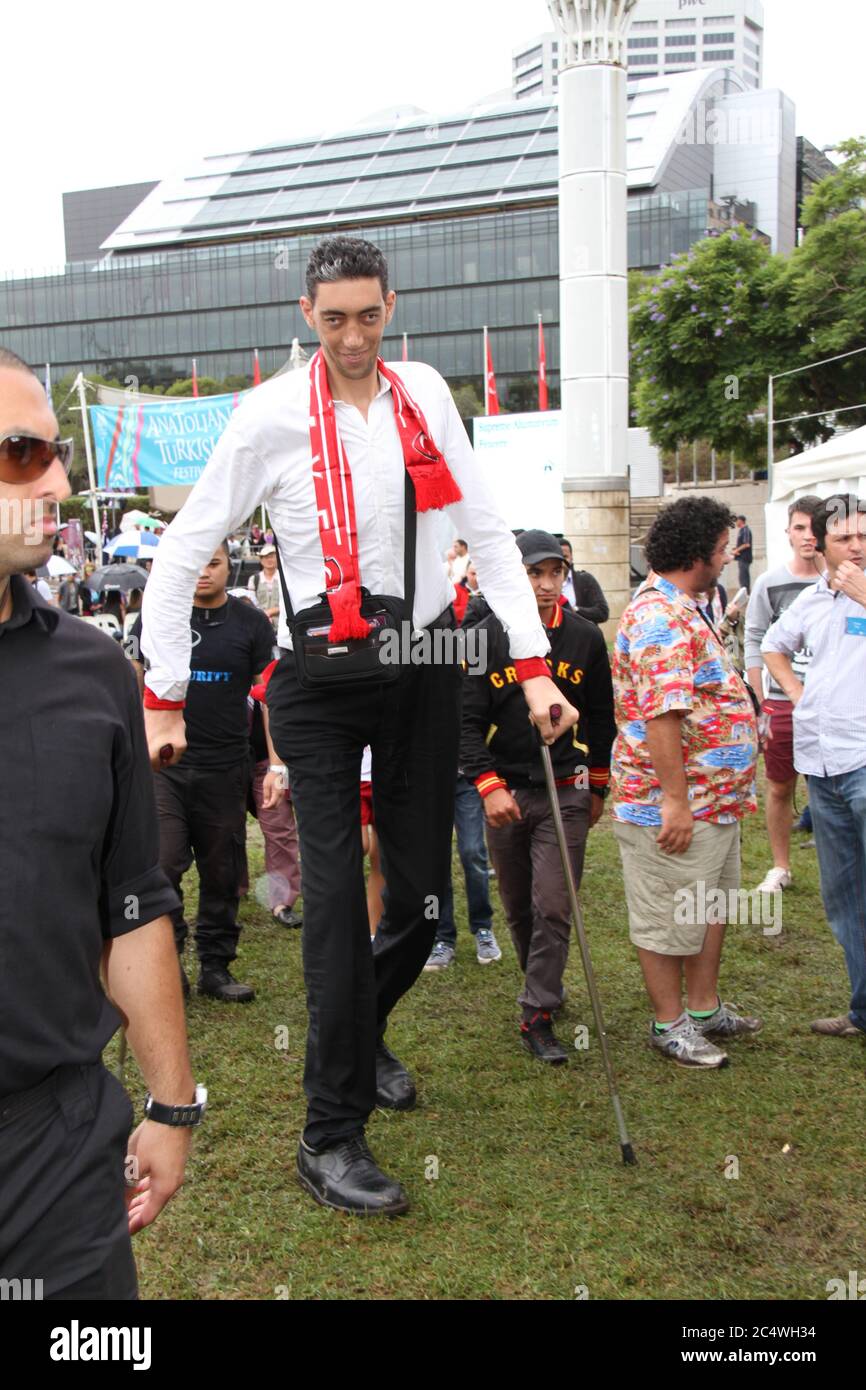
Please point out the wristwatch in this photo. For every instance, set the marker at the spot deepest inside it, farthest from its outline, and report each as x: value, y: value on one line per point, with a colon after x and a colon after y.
x: 179, y: 1116
x: 603, y: 792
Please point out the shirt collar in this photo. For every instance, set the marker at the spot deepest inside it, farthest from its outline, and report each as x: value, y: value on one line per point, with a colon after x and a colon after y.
x: 556, y: 620
x: 664, y: 586
x: 29, y: 606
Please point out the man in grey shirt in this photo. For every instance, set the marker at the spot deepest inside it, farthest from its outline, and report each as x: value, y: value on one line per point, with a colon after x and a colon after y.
x: 829, y: 618
x: 774, y: 592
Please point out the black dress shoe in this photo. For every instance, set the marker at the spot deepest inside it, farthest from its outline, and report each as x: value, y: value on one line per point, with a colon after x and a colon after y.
x: 538, y: 1036
x: 219, y: 984
x: 395, y: 1089
x: 287, y: 917
x: 347, y: 1178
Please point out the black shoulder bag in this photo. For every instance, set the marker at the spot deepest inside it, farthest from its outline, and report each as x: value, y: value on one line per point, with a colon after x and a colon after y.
x: 319, y: 662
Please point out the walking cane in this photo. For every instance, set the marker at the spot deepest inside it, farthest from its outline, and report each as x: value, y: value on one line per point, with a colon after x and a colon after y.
x: 628, y: 1155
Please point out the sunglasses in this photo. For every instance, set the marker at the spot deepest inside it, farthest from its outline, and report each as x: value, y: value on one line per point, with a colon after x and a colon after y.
x: 24, y: 458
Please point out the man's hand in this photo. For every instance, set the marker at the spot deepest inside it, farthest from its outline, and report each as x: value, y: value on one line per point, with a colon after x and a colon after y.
x: 849, y: 579
x: 540, y: 693
x: 164, y: 728
x: 596, y: 809
x: 274, y: 789
x: 156, y: 1156
x: 678, y: 826
x: 500, y: 808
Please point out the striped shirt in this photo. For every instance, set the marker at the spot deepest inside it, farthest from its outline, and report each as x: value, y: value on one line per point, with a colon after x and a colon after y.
x: 830, y: 718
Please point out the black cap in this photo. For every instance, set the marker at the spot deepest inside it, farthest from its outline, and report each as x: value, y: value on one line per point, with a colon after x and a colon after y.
x: 535, y: 546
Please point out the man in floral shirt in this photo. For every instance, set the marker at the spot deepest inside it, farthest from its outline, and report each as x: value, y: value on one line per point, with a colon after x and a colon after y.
x: 683, y: 778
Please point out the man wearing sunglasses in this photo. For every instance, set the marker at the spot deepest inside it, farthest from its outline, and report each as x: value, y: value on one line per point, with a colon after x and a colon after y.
x: 83, y: 892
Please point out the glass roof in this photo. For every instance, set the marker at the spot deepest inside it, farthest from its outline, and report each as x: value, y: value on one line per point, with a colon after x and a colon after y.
x: 405, y: 167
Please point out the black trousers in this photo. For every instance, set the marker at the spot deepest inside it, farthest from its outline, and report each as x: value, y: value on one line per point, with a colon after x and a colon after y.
x: 63, y: 1224
x: 413, y: 728
x: 203, y: 814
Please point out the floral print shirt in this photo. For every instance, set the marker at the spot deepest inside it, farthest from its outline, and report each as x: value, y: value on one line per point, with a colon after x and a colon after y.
x: 667, y: 657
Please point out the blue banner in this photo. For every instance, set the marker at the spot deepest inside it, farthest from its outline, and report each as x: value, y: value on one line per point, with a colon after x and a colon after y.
x: 151, y: 443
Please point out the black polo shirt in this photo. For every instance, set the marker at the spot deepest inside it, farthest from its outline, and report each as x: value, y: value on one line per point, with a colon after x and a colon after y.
x: 79, y: 842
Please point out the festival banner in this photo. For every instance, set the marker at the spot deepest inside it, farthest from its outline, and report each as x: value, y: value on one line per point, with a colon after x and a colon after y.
x: 151, y: 441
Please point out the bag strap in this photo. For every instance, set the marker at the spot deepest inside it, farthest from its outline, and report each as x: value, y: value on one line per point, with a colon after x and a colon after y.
x: 410, y: 536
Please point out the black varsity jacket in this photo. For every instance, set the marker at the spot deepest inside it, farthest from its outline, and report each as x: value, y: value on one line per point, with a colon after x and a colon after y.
x: 499, y: 747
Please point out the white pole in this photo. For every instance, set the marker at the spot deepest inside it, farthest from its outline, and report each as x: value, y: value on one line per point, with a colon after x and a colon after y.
x: 771, y: 404
x: 484, y: 374
x: 88, y: 450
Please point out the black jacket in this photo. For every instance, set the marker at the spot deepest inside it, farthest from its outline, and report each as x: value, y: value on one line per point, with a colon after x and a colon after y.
x: 589, y: 597
x: 496, y: 733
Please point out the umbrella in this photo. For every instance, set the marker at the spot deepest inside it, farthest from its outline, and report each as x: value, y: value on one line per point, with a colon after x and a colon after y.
x: 125, y: 577
x: 57, y: 565
x: 132, y: 545
x: 139, y: 521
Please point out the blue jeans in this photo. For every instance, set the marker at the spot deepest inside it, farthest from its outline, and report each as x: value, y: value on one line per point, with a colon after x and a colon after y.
x: 469, y: 824
x: 839, y: 819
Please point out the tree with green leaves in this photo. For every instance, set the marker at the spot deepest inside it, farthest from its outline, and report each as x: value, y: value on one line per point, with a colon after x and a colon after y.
x: 707, y: 331
x: 703, y: 335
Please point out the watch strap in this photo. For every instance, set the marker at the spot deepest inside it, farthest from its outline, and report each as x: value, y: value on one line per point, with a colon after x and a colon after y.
x: 178, y: 1116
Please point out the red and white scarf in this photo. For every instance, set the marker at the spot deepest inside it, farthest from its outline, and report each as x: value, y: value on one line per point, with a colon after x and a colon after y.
x: 335, y: 501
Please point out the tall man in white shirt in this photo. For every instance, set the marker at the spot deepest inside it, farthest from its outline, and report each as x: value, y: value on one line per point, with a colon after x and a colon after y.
x: 829, y: 618
x: 364, y: 427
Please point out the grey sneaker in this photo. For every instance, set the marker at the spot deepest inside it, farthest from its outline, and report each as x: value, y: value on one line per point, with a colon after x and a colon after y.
x: 440, y: 957
x: 837, y: 1027
x: 686, y: 1046
x: 727, y: 1023
x: 486, y: 947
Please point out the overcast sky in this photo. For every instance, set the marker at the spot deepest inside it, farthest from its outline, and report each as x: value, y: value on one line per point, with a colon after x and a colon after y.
x: 121, y: 93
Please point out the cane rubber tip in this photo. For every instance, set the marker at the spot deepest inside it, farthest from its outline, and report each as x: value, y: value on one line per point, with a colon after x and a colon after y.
x: 628, y: 1157
x: 166, y: 753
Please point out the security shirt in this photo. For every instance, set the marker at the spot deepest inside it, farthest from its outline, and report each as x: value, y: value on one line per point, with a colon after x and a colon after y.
x: 231, y: 646
x: 79, y: 844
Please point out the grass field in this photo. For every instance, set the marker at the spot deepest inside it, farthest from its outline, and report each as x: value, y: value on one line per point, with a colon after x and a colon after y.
x: 531, y: 1199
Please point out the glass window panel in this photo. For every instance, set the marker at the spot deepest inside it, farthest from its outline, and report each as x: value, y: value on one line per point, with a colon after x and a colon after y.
x: 369, y: 192
x: 422, y: 136
x: 407, y: 160
x: 505, y: 125
x: 530, y: 172
x: 483, y: 150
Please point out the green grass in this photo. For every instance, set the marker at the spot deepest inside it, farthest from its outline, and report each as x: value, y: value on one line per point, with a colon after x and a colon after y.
x: 531, y: 1198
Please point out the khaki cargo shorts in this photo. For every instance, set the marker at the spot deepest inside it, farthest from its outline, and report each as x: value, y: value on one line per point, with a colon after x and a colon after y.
x: 667, y: 894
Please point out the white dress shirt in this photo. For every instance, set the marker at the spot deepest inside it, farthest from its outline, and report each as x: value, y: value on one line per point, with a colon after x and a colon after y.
x: 264, y: 456
x: 830, y: 717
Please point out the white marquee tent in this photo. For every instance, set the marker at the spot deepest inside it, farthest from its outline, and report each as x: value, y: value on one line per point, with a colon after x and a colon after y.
x: 839, y: 465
